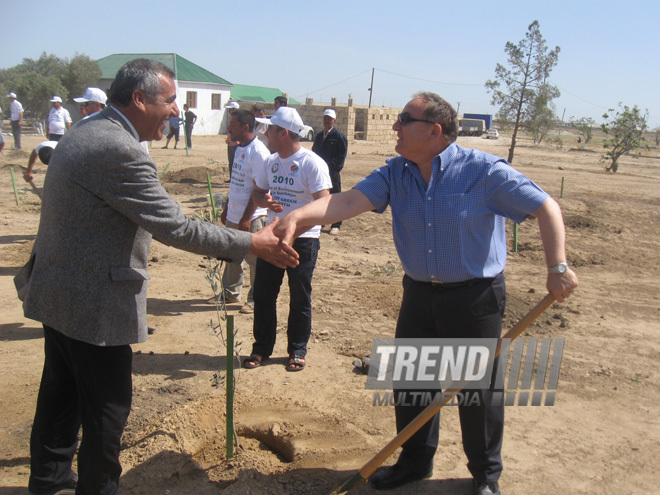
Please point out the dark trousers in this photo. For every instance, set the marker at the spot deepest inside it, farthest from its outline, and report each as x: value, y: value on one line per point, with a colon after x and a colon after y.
x: 336, y: 188
x: 55, y: 137
x: 473, y: 311
x: 188, y: 130
x: 16, y: 131
x: 82, y: 385
x: 266, y: 289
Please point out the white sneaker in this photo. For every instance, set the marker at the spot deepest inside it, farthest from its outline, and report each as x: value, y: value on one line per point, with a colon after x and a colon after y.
x: 334, y: 231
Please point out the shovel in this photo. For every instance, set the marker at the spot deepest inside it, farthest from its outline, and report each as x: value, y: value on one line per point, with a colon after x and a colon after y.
x: 374, y: 463
x: 37, y: 191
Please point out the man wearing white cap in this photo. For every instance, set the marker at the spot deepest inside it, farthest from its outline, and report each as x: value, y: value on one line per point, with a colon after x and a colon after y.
x: 331, y: 145
x: 16, y: 116
x: 91, y: 102
x: 59, y: 120
x: 290, y: 178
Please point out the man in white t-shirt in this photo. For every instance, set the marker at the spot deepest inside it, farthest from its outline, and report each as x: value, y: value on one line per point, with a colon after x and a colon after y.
x: 291, y: 177
x: 43, y: 152
x: 240, y: 212
x: 16, y: 117
x: 59, y: 120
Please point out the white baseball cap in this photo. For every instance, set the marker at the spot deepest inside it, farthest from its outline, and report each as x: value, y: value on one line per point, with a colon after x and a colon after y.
x: 55, y: 99
x: 232, y: 104
x: 287, y: 118
x: 331, y: 113
x: 11, y: 95
x: 92, y: 94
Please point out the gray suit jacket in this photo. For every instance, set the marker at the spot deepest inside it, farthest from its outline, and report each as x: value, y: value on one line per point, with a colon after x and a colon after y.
x: 102, y: 202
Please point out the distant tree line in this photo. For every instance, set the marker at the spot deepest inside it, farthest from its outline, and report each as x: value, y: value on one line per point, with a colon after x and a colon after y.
x: 37, y: 81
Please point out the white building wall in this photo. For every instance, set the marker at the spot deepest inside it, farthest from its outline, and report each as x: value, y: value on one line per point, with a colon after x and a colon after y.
x: 209, y: 122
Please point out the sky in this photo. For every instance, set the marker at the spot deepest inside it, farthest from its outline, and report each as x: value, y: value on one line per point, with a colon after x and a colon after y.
x: 609, y: 49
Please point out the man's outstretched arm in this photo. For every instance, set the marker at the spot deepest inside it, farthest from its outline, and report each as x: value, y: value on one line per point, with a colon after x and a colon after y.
x: 326, y: 210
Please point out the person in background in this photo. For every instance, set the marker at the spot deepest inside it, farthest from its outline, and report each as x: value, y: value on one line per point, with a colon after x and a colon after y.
x: 291, y: 177
x: 240, y: 211
x: 189, y: 119
x: 59, y: 120
x: 175, y: 123
x: 331, y: 145
x: 91, y: 102
x: 260, y: 129
x: 280, y: 101
x: 16, y: 117
x: 43, y: 151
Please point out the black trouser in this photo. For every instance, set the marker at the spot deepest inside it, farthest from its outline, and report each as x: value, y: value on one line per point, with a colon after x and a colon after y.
x: 336, y: 188
x: 82, y: 384
x: 471, y: 311
x: 188, y: 130
x: 55, y: 137
x: 16, y: 131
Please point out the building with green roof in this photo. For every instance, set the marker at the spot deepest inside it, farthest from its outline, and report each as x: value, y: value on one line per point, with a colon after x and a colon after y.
x: 205, y: 92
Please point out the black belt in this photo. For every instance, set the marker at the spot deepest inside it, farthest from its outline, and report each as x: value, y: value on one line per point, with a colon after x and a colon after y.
x: 456, y: 285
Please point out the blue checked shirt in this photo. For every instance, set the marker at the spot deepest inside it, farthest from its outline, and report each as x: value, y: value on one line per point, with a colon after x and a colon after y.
x: 453, y: 229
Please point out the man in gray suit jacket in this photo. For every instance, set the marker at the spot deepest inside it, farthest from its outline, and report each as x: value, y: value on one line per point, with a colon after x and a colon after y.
x: 86, y: 280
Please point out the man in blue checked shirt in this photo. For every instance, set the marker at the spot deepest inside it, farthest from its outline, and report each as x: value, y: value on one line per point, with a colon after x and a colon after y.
x: 449, y: 206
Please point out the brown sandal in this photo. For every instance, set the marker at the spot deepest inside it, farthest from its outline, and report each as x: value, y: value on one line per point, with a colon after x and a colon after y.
x: 296, y: 363
x: 254, y: 361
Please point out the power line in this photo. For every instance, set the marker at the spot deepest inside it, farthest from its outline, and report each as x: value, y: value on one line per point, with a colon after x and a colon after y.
x: 335, y: 84
x: 429, y: 80
x: 580, y: 98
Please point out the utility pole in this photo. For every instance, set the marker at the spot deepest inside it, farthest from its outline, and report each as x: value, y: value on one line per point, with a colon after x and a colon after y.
x: 371, y: 89
x: 458, y: 108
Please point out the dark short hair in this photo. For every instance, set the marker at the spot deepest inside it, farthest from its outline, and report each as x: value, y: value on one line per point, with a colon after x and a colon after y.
x: 245, y: 117
x: 44, y: 154
x: 258, y: 108
x: 141, y: 73
x: 439, y: 111
x: 282, y: 100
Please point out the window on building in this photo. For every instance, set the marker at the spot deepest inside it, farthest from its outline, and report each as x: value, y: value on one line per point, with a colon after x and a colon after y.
x: 191, y: 99
x: 215, y: 101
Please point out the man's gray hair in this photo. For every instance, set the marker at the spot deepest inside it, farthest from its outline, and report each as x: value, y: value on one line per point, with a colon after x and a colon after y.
x: 438, y: 110
x: 141, y: 73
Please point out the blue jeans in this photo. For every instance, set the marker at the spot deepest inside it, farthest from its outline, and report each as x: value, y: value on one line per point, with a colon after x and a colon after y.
x: 267, y: 288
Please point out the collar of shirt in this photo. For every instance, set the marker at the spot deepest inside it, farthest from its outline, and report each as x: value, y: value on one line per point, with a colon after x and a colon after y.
x: 127, y: 121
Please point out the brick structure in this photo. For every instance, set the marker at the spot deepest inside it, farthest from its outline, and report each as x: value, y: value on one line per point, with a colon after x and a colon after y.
x: 356, y: 122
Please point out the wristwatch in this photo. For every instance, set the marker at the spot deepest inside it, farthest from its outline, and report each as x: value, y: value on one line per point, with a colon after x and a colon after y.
x: 560, y: 268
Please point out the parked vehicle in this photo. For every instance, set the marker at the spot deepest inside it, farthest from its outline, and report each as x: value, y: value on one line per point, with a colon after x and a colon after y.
x: 471, y: 127
x: 308, y: 133
x: 492, y: 133
x: 480, y: 116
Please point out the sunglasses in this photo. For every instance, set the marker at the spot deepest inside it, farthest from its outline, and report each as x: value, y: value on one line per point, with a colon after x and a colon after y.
x: 86, y: 104
x: 404, y: 118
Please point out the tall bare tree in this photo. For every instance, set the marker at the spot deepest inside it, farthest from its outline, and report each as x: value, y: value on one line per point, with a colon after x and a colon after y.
x: 519, y: 85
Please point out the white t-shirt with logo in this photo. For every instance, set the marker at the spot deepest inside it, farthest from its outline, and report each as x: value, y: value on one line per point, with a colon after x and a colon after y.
x: 57, y: 119
x: 248, y: 161
x: 293, y: 180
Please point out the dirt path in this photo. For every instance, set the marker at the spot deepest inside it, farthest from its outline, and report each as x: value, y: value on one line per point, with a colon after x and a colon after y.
x: 307, y: 432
